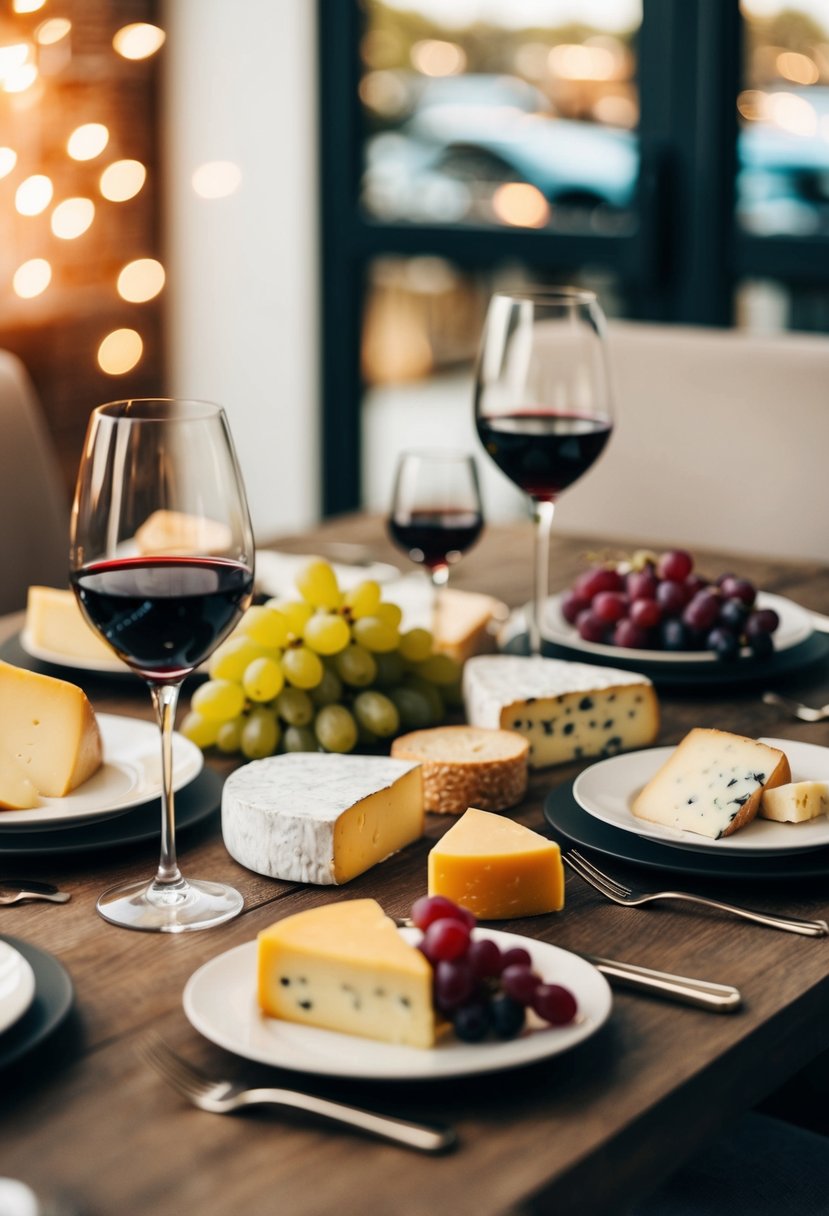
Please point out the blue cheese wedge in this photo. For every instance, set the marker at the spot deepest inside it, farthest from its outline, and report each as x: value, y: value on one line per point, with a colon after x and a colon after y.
x: 320, y: 818
x: 565, y: 711
x: 712, y: 784
x: 797, y: 802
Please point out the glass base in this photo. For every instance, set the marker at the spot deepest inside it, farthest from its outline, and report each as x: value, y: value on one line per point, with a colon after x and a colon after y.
x: 177, y: 907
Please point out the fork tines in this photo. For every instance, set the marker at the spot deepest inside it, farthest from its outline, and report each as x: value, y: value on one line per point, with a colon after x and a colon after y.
x: 183, y: 1076
x: 594, y: 876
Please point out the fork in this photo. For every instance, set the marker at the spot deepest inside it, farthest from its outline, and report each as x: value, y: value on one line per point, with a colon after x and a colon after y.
x: 221, y: 1097
x: 629, y: 898
x: 806, y: 713
x: 27, y: 889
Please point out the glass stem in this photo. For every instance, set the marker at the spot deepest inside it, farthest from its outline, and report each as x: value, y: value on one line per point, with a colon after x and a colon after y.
x: 543, y: 521
x: 439, y: 576
x: 165, y: 700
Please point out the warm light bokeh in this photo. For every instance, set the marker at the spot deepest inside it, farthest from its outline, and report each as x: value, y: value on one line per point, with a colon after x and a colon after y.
x: 8, y: 159
x: 34, y: 194
x: 72, y: 218
x: 88, y: 141
x: 138, y: 41
x: 31, y: 278
x: 51, y: 31
x: 520, y: 205
x: 120, y: 351
x: 141, y: 280
x: 217, y: 179
x: 122, y: 180
x: 27, y: 6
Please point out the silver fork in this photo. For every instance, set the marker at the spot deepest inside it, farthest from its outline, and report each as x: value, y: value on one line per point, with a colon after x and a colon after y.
x: 629, y: 898
x: 806, y: 713
x: 221, y: 1097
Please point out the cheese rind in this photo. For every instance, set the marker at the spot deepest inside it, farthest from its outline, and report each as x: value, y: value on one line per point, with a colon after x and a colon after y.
x: 712, y: 783
x: 566, y: 711
x: 467, y: 765
x: 48, y: 726
x: 55, y: 622
x: 320, y: 818
x: 497, y: 868
x: 796, y: 802
x: 345, y: 967
x: 17, y: 793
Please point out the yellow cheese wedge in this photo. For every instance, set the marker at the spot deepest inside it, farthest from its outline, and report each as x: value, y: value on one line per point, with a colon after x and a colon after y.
x: 464, y: 623
x: 16, y: 790
x: 345, y: 967
x: 497, y: 868
x: 49, y: 728
x: 55, y: 622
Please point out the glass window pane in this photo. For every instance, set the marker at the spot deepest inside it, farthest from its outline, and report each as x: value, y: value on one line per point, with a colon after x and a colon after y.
x: 511, y: 113
x: 783, y: 174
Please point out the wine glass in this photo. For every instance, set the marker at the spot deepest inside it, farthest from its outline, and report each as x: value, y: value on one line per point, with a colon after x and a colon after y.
x: 436, y: 513
x: 161, y: 562
x: 543, y: 404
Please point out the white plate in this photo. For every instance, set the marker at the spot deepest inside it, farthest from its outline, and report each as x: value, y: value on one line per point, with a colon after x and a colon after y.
x: 130, y: 775
x: 17, y: 985
x: 220, y: 1002
x: 57, y: 658
x: 276, y: 572
x: 606, y: 790
x: 795, y: 627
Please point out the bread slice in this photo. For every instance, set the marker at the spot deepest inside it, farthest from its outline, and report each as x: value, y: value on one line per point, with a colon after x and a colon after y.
x: 467, y: 766
x: 712, y: 784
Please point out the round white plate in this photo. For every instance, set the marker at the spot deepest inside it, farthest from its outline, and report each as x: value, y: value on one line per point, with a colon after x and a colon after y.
x: 17, y: 985
x: 57, y: 658
x: 276, y: 572
x: 795, y: 627
x: 220, y: 1002
x: 129, y: 775
x: 607, y: 789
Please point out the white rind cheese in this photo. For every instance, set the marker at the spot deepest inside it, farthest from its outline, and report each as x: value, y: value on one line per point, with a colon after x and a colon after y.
x: 566, y: 711
x: 320, y: 818
x: 712, y: 784
x: 796, y: 802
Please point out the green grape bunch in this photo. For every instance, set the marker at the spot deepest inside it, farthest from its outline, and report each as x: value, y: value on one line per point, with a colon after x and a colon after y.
x: 330, y: 671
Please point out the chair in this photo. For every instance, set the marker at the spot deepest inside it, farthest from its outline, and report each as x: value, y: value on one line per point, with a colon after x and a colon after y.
x: 722, y: 441
x: 34, y: 515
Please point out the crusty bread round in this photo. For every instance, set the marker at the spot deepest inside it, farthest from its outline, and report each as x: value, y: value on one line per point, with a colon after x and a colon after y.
x: 467, y: 766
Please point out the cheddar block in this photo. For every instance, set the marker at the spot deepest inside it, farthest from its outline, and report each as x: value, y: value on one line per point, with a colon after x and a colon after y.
x: 463, y: 765
x: 55, y: 622
x: 17, y: 793
x: 321, y: 818
x: 497, y: 868
x: 345, y: 967
x: 712, y: 784
x: 797, y: 802
x: 565, y: 711
x: 49, y: 728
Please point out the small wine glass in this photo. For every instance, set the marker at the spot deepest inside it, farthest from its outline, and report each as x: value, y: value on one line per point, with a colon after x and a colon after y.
x: 161, y: 562
x: 436, y: 514
x: 543, y: 404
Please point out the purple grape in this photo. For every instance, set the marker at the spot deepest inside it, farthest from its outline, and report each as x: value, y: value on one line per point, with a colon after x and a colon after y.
x: 445, y: 940
x: 763, y: 620
x: 430, y: 908
x: 738, y: 588
x: 631, y: 636
x: 672, y: 597
x: 675, y: 565
x: 702, y: 611
x: 673, y: 635
x: 724, y: 642
x: 572, y: 605
x: 507, y: 1016
x: 555, y: 1004
x: 590, y: 628
x: 520, y: 982
x: 484, y: 957
x: 471, y: 1022
x: 641, y: 584
x: 455, y: 983
x: 610, y: 606
x: 515, y: 956
x: 598, y: 579
x: 645, y: 613
x: 734, y: 614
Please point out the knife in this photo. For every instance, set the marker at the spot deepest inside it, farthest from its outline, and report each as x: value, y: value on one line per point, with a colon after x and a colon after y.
x: 703, y: 994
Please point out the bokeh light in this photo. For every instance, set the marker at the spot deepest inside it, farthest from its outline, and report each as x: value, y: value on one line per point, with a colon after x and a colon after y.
x: 34, y: 194
x: 121, y: 180
x: 8, y: 159
x: 120, y: 351
x: 51, y: 31
x: 520, y: 205
x: 138, y: 41
x: 217, y: 179
x: 88, y: 141
x: 72, y: 218
x: 141, y: 280
x: 31, y: 278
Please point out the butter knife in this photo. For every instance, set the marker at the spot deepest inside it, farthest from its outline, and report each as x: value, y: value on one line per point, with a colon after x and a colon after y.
x: 703, y: 994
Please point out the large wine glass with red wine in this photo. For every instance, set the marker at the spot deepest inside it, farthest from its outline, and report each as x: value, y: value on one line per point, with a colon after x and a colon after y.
x: 436, y: 513
x: 161, y: 562
x: 543, y: 404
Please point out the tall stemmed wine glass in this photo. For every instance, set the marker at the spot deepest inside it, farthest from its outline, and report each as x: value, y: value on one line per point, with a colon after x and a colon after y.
x: 161, y: 561
x: 543, y: 404
x: 436, y: 513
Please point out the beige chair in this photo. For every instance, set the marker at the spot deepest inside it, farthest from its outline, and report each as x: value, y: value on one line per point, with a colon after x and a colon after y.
x: 34, y: 514
x: 722, y: 441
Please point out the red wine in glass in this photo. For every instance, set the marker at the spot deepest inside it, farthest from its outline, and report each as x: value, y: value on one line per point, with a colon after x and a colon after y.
x: 544, y: 451
x: 436, y: 536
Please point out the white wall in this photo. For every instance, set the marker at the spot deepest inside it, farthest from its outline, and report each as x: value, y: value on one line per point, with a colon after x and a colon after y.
x: 240, y: 86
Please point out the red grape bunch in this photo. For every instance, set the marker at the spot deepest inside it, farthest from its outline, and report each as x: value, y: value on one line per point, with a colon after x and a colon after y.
x: 478, y: 986
x: 662, y: 603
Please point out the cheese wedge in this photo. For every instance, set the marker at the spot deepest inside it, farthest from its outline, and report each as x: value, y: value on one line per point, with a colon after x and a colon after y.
x: 497, y: 868
x: 322, y: 818
x: 345, y: 967
x: 797, y: 802
x: 463, y: 623
x: 16, y: 790
x: 712, y: 783
x: 566, y: 711
x: 49, y: 728
x: 55, y: 622
x: 171, y: 532
x: 465, y: 765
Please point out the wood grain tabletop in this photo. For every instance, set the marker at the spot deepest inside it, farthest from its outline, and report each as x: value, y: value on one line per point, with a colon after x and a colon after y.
x: 584, y: 1132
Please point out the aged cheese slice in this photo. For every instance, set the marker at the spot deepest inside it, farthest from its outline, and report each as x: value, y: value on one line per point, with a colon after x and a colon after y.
x: 566, y: 711
x: 55, y: 622
x: 17, y: 793
x: 345, y: 967
x: 462, y: 623
x: 796, y: 802
x: 497, y: 868
x: 467, y: 765
x: 49, y: 728
x: 322, y: 818
x: 712, y: 783
x: 166, y: 532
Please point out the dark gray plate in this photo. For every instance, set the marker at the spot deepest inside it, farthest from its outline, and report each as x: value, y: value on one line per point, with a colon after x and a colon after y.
x: 54, y: 996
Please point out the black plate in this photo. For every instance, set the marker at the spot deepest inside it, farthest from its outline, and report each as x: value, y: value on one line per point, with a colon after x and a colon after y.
x: 564, y: 815
x: 53, y: 999
x: 194, y: 802
x: 747, y: 670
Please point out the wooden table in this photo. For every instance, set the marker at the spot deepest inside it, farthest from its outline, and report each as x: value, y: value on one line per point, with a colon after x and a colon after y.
x: 586, y: 1132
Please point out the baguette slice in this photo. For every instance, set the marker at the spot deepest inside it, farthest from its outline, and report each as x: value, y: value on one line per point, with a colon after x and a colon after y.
x: 467, y: 766
x: 712, y: 784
